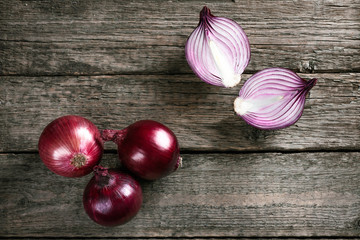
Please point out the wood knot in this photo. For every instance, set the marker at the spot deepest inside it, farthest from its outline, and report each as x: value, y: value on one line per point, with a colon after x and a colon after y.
x: 357, y: 223
x: 308, y: 66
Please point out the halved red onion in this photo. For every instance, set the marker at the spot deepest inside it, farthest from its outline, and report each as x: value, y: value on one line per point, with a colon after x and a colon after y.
x: 218, y: 50
x: 273, y: 98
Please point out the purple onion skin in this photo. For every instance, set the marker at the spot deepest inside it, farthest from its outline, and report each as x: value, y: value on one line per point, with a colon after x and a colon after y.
x: 111, y: 197
x: 71, y: 146
x: 146, y: 148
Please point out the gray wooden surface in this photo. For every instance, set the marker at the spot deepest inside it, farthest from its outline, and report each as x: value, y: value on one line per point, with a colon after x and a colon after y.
x: 201, y: 115
x: 115, y: 62
x: 268, y: 194
x: 91, y: 37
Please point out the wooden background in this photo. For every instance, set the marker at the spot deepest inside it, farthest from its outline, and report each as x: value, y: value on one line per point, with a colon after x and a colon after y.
x: 115, y: 62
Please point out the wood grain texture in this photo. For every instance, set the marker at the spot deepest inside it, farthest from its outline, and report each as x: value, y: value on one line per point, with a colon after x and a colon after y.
x: 127, y: 37
x: 212, y: 195
x: 200, y: 115
x: 192, y: 238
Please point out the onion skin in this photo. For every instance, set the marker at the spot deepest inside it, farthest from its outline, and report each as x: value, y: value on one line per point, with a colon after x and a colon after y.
x: 71, y: 146
x: 273, y: 98
x: 146, y: 148
x: 111, y: 197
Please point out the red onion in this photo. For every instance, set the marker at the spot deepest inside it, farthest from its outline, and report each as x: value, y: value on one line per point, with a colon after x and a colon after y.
x: 218, y: 50
x: 70, y: 146
x: 112, y: 198
x: 147, y: 148
x: 273, y: 98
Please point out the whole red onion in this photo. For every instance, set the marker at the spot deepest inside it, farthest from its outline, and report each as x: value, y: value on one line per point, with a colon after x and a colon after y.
x: 111, y: 197
x: 70, y: 146
x: 147, y: 148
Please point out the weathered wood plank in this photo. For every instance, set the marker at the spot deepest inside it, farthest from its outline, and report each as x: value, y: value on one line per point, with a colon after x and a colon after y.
x: 201, y: 115
x: 112, y: 37
x: 102, y: 57
x: 192, y: 238
x: 228, y: 195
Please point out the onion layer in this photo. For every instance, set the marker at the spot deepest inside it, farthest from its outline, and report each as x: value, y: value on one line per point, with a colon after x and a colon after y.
x: 111, y: 197
x: 273, y: 98
x: 70, y: 146
x: 218, y: 50
x: 147, y: 148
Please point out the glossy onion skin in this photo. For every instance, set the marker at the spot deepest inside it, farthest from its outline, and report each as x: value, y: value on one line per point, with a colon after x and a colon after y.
x: 149, y: 149
x: 114, y: 202
x: 280, y: 92
x: 232, y: 44
x: 66, y: 137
